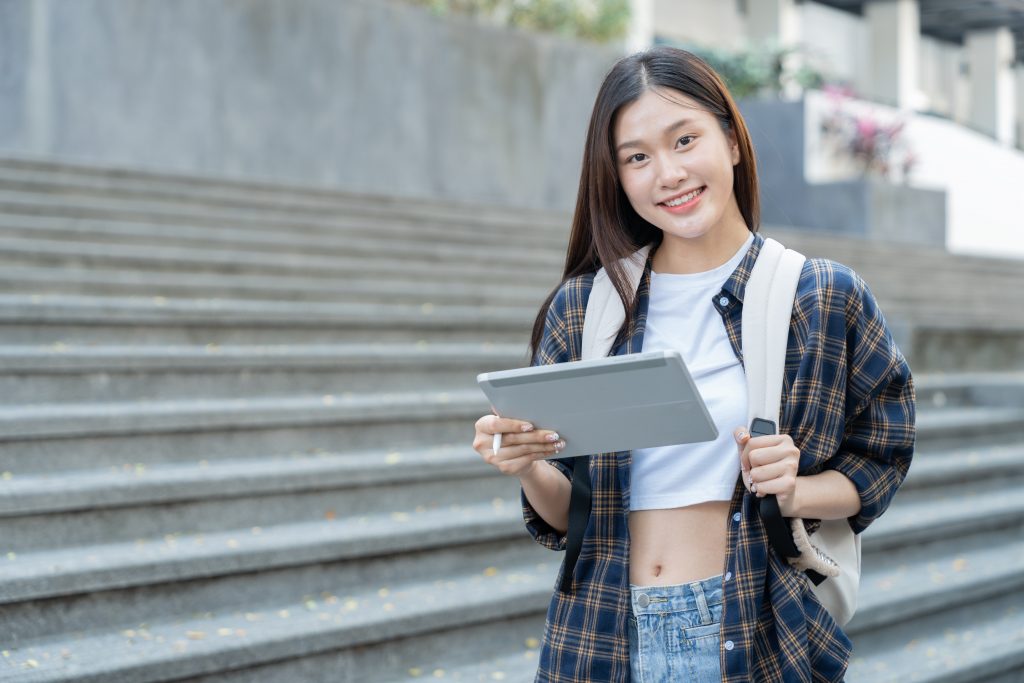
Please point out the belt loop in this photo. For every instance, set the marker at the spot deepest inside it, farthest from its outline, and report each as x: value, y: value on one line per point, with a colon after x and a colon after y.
x: 702, y: 602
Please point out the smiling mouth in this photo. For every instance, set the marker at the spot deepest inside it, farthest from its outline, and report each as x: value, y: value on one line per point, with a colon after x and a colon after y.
x: 680, y: 201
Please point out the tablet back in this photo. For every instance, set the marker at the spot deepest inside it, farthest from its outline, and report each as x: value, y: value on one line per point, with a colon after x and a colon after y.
x: 607, y: 404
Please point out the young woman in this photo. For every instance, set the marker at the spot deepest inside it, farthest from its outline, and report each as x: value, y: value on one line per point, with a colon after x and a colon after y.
x: 675, y: 579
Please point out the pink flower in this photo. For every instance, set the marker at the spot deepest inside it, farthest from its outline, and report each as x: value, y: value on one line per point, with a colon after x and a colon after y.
x: 866, y: 127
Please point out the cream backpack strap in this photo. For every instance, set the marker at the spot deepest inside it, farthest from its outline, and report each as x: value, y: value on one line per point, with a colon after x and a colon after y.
x: 833, y: 550
x: 767, y: 309
x: 605, y: 313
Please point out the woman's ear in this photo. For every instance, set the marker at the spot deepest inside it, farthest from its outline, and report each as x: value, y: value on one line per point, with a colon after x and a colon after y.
x: 734, y: 147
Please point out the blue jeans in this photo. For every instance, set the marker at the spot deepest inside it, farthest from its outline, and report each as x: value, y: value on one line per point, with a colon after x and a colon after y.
x: 673, y: 632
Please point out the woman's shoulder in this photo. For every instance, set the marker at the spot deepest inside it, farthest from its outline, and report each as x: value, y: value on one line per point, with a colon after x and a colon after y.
x: 832, y: 280
x: 572, y: 295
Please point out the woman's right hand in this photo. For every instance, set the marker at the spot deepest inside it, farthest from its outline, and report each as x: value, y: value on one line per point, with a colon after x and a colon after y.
x: 522, y: 446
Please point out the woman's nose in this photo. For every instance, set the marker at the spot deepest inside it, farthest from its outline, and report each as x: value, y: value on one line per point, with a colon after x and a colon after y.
x: 671, y: 172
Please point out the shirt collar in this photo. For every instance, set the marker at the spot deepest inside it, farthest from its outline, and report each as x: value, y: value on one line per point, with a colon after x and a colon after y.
x: 736, y: 285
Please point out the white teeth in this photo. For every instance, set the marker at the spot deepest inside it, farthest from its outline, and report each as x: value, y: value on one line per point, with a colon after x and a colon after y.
x: 685, y: 198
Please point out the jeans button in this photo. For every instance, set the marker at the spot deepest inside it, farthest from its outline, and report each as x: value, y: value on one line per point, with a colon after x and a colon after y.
x: 643, y: 600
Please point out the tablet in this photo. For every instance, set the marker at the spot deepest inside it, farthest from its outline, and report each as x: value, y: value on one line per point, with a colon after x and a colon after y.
x: 603, y: 405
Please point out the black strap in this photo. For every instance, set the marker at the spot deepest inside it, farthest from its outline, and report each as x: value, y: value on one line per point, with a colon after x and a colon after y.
x: 579, y: 517
x: 777, y: 526
x: 779, y: 533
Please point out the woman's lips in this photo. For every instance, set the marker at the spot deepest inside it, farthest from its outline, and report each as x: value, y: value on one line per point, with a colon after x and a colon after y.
x: 687, y: 206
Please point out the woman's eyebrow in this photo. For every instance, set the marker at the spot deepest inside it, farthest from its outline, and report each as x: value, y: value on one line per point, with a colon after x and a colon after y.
x: 635, y: 143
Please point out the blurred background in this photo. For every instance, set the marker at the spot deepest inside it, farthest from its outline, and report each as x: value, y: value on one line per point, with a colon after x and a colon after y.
x: 255, y: 252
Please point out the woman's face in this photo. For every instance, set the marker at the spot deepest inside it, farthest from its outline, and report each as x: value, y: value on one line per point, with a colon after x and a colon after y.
x: 666, y: 146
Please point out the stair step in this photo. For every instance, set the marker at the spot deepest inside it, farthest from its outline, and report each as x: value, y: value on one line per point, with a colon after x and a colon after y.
x: 68, y: 374
x: 408, y: 290
x: 36, y: 439
x: 997, y: 389
x: 42, y: 319
x: 173, y: 557
x: 262, y: 198
x: 967, y: 425
x: 164, y: 483
x: 955, y: 466
x: 116, y: 228
x: 17, y: 251
x: 165, y: 417
x: 906, y: 583
x: 214, y: 512
x: 927, y: 515
x: 976, y: 642
x: 364, y: 242
x: 515, y: 667
x: 305, y: 626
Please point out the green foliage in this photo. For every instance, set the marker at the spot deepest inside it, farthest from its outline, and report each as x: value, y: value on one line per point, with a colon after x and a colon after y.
x: 764, y: 70
x: 594, y: 20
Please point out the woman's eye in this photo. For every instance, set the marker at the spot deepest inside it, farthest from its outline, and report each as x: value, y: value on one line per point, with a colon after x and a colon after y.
x: 640, y: 154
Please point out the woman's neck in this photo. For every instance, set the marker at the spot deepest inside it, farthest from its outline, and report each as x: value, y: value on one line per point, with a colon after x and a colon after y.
x: 678, y: 255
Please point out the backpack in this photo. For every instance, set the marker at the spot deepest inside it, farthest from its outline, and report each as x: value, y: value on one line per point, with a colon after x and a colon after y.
x: 832, y: 551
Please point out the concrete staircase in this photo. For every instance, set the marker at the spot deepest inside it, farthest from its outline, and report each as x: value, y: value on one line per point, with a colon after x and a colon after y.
x: 235, y: 423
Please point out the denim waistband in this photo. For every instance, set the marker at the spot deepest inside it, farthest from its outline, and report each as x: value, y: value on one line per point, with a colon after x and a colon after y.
x: 673, y: 598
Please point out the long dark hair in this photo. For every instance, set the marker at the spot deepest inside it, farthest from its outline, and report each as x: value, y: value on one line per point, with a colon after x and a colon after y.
x: 605, y: 227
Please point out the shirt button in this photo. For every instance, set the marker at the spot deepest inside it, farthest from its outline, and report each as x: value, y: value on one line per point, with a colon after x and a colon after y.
x: 736, y: 517
x: 643, y: 600
x: 728, y: 645
x: 723, y: 301
x: 728, y: 575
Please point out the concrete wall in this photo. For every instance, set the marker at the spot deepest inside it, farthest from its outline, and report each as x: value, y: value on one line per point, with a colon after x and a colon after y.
x: 365, y: 95
x: 708, y: 23
x: 840, y: 39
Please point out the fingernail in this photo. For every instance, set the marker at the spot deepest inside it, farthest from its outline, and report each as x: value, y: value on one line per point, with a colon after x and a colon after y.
x: 552, y: 437
x: 527, y: 427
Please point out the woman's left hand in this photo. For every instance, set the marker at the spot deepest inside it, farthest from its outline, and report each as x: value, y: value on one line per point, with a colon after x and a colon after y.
x: 770, y: 464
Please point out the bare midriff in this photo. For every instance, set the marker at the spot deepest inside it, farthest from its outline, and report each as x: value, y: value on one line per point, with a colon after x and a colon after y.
x: 678, y: 545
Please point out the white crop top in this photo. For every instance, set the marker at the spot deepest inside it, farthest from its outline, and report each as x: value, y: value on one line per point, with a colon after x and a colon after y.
x: 681, y: 316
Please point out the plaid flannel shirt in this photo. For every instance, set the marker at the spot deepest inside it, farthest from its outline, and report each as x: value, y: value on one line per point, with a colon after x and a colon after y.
x: 848, y: 404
